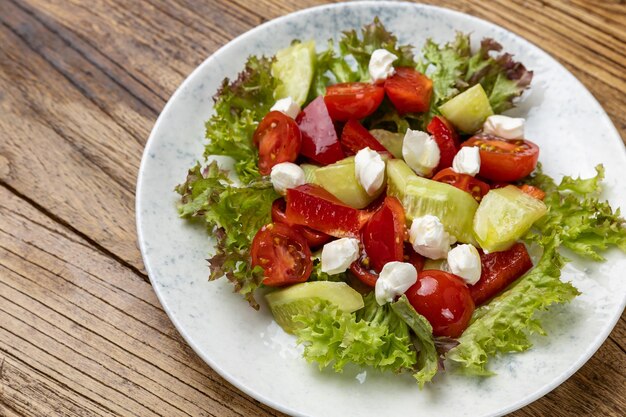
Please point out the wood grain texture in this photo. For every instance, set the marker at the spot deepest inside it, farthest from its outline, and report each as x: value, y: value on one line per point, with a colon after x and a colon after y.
x: 81, y: 84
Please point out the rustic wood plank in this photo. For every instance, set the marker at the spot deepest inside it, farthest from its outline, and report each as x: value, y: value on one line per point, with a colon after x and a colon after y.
x: 73, y: 312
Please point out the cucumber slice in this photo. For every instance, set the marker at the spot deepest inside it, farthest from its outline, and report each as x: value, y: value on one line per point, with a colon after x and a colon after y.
x: 340, y: 180
x: 300, y: 299
x: 438, y: 264
x: 309, y: 173
x: 504, y: 216
x: 468, y: 110
x: 420, y: 196
x: 391, y: 141
x: 294, y: 67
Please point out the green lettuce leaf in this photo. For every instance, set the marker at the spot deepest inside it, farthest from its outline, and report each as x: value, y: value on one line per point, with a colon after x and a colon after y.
x: 373, y: 336
x: 373, y: 36
x: 503, y: 325
x: 234, y: 215
x: 427, y: 358
x: 239, y: 107
x: 454, y: 68
x: 584, y: 224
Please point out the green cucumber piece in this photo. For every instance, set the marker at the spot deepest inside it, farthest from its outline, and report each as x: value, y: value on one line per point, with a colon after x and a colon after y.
x: 420, y: 196
x: 504, y: 216
x: 340, y: 180
x: 391, y: 141
x: 301, y: 298
x: 309, y: 173
x: 294, y: 67
x: 469, y: 110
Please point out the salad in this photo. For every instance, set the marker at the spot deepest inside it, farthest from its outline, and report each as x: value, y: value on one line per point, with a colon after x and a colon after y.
x: 388, y: 206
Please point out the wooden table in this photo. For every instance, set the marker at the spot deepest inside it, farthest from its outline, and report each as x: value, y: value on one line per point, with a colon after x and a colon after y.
x: 81, y: 85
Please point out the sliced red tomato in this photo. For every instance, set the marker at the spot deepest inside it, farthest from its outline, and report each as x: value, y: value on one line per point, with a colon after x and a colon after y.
x: 355, y: 137
x: 284, y: 255
x: 278, y: 139
x: 444, y: 300
x: 504, y: 159
x: 467, y: 183
x: 311, y: 205
x: 383, y: 234
x: 532, y: 191
x: 409, y: 90
x: 353, y: 100
x: 314, y: 238
x: 413, y: 257
x: 499, y: 270
x: 319, y: 138
x: 361, y: 268
x: 447, y: 139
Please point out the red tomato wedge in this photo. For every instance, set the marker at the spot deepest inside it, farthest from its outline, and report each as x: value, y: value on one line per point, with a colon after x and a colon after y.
x: 278, y: 139
x: 353, y: 100
x: 311, y: 205
x: 319, y: 138
x: 534, y: 192
x: 499, y: 270
x: 361, y: 268
x: 444, y: 300
x: 447, y: 139
x: 383, y: 234
x: 504, y: 159
x: 314, y: 238
x: 467, y: 183
x: 355, y: 137
x: 284, y: 255
x: 409, y: 90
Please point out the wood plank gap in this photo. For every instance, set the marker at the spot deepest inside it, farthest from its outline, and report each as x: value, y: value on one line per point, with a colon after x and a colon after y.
x: 82, y: 235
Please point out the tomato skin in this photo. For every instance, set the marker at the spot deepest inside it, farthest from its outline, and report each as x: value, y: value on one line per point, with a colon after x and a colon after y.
x: 467, y: 183
x: 444, y: 300
x: 413, y: 257
x: 311, y: 205
x: 278, y: 139
x: 383, y: 234
x: 447, y: 139
x: 409, y: 90
x: 319, y: 138
x: 361, y: 269
x: 353, y: 100
x: 283, y: 254
x: 355, y: 137
x: 499, y: 270
x: 532, y: 191
x: 504, y: 159
x: 314, y: 238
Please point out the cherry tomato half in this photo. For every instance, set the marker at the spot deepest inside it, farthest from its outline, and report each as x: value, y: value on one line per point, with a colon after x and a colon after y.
x: 353, y: 100
x: 447, y: 140
x: 409, y: 90
x: 464, y: 182
x: 278, y: 139
x: 283, y: 254
x: 499, y: 270
x: 314, y: 238
x: 504, y: 159
x: 444, y: 300
x: 361, y: 268
x: 383, y: 235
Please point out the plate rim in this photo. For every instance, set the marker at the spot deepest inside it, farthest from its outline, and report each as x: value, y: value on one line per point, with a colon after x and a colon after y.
x: 539, y: 393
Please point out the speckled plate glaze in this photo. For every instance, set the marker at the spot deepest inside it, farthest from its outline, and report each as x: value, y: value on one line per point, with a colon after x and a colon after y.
x: 251, y: 352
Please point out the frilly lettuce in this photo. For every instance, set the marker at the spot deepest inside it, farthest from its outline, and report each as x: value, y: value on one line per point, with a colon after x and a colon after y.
x: 239, y: 107
x: 234, y: 215
x: 374, y: 336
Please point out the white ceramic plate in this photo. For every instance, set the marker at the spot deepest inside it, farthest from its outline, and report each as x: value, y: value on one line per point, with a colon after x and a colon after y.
x: 246, y: 348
